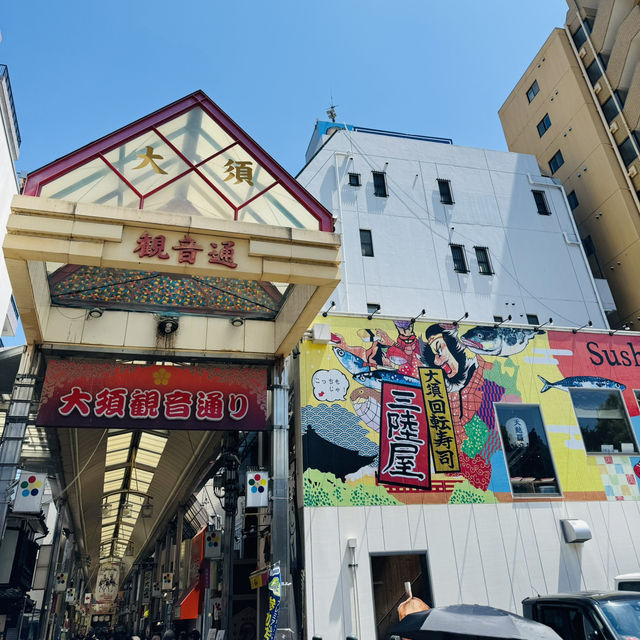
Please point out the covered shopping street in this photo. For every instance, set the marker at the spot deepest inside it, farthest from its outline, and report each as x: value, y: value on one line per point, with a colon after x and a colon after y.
x: 163, y: 274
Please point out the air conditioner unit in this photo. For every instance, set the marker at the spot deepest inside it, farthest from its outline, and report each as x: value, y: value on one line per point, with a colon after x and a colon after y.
x: 633, y: 172
x: 582, y: 52
x: 613, y: 127
x: 597, y: 87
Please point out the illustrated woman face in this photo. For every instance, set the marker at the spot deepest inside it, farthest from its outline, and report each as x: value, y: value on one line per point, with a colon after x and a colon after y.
x: 443, y: 357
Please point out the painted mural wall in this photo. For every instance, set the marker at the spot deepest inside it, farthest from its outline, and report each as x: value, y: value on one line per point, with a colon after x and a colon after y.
x: 395, y: 412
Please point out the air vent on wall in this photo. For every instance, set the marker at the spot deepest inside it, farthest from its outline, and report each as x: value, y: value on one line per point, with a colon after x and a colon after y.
x: 582, y: 52
x: 597, y: 87
x: 613, y: 127
x: 633, y: 172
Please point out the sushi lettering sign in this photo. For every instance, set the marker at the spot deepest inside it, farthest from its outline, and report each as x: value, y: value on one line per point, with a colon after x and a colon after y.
x: 85, y: 393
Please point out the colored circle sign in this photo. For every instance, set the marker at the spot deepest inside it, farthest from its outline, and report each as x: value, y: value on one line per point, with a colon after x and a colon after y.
x: 30, y: 486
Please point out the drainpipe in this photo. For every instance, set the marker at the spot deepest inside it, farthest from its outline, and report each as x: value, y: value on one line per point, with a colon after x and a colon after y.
x: 339, y: 190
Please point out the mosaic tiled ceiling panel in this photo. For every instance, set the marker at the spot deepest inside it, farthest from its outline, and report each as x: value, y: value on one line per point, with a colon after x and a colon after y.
x: 85, y: 286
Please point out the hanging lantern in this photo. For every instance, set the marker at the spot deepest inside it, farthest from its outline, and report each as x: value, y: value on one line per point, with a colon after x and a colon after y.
x: 517, y: 433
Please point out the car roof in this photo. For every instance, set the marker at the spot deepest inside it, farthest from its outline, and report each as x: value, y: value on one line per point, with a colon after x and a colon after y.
x: 586, y: 595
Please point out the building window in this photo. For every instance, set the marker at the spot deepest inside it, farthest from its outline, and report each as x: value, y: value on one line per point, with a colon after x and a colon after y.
x: 627, y: 151
x: 388, y: 575
x: 532, y: 318
x: 379, y: 184
x: 603, y: 420
x: 498, y: 319
x: 484, y: 265
x: 556, y: 162
x: 610, y: 109
x: 579, y: 37
x: 459, y: 258
x: 446, y: 195
x: 532, y: 91
x: 366, y: 243
x: 544, y: 124
x: 541, y: 202
x: 526, y: 448
x: 573, y: 200
x: 594, y: 72
x: 592, y: 257
x: 354, y: 179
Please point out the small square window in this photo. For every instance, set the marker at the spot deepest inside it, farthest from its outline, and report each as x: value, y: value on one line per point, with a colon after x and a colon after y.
x: 556, y: 161
x: 610, y: 109
x: 379, y: 184
x: 594, y: 72
x: 572, y: 198
x: 627, y: 151
x: 579, y: 37
x: 459, y: 259
x: 532, y: 91
x: 532, y: 318
x: 354, y: 179
x: 541, y: 202
x: 446, y: 195
x: 484, y: 265
x: 372, y: 308
x: 366, y: 243
x: 543, y: 125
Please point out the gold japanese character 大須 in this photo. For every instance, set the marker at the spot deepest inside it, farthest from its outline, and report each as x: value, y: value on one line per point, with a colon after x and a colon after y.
x: 241, y: 170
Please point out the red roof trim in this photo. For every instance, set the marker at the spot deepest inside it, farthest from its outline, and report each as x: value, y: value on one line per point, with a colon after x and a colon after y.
x: 37, y: 179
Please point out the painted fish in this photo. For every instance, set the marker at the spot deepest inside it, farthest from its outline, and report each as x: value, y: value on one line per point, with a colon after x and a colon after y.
x: 581, y: 382
x: 374, y: 379
x: 353, y: 364
x: 498, y: 341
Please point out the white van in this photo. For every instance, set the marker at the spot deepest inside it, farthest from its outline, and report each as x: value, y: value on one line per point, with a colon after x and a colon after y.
x: 627, y: 582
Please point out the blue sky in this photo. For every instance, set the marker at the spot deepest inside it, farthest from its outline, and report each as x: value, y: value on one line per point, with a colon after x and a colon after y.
x: 80, y: 70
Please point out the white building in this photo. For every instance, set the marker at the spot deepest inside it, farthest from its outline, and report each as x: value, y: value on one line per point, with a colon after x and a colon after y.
x: 488, y: 529
x: 506, y: 245
x: 9, y: 148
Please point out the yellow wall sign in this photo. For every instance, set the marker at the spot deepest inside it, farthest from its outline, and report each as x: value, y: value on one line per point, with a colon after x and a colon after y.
x: 443, y: 437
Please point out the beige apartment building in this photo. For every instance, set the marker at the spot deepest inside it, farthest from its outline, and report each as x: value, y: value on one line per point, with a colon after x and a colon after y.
x: 577, y: 109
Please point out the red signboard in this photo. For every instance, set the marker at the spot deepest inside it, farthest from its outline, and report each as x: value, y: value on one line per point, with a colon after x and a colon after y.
x: 404, y: 438
x: 89, y: 393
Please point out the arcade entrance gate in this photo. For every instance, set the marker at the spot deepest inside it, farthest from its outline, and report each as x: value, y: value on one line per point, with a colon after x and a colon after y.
x: 163, y: 274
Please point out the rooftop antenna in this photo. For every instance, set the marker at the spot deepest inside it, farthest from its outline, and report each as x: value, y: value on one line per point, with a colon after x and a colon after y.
x: 331, y: 111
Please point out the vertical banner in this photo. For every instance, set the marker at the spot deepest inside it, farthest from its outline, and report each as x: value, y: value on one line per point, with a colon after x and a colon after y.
x: 61, y: 582
x: 146, y: 586
x: 404, y: 438
x: 257, y: 489
x: 107, y: 582
x: 70, y: 597
x: 29, y: 492
x: 273, y: 609
x: 87, y: 598
x: 167, y: 581
x: 443, y: 438
x: 156, y: 592
x: 213, y: 543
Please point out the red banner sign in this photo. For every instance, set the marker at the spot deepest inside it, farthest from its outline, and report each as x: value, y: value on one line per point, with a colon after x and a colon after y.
x: 404, y: 438
x: 84, y: 393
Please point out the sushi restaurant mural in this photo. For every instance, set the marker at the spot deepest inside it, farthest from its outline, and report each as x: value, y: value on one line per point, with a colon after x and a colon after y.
x: 397, y: 412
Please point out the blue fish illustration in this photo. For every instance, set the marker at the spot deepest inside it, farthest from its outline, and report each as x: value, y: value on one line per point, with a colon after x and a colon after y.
x: 353, y: 364
x: 498, y: 341
x: 581, y: 382
x: 374, y: 379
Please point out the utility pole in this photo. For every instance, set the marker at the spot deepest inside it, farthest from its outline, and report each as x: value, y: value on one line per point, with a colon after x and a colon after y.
x: 230, y: 463
x: 280, y: 540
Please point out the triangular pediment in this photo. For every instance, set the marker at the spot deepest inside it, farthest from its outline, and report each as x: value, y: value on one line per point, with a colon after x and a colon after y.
x: 188, y: 158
